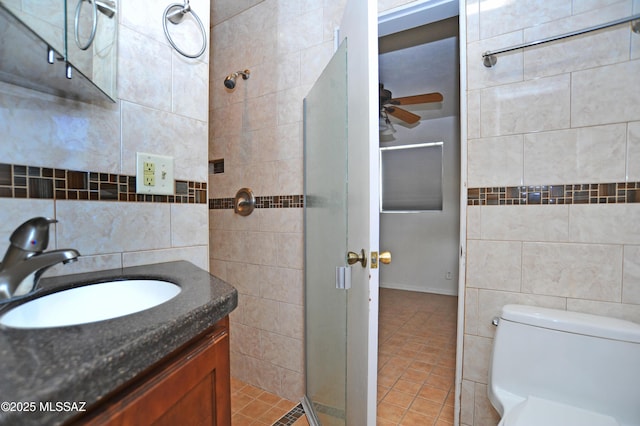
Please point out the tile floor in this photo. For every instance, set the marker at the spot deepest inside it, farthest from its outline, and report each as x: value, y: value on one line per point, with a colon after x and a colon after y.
x: 416, y: 358
x: 251, y: 406
x: 416, y: 367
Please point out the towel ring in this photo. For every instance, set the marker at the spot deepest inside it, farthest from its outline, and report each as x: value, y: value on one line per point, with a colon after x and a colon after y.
x: 175, y: 17
x: 94, y: 25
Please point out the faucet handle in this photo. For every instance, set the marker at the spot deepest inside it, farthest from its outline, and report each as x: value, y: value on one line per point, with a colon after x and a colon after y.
x: 33, y: 235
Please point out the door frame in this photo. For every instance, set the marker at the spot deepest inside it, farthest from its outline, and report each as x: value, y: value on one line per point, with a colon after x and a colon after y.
x: 359, y: 27
x: 422, y: 12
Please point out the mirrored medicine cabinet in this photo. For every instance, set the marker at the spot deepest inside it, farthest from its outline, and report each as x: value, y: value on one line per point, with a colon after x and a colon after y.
x: 67, y: 48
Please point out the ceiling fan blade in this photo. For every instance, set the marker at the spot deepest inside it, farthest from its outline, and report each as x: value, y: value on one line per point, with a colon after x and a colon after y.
x: 402, y: 114
x: 425, y: 98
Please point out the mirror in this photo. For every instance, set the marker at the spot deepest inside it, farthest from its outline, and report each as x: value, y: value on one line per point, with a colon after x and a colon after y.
x: 38, y: 48
x: 92, y: 28
x: 43, y: 17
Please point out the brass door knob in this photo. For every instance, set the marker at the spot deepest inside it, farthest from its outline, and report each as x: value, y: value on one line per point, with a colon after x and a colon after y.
x: 385, y: 257
x: 353, y: 258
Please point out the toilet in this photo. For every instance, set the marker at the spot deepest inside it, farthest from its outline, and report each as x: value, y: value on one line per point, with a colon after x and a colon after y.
x: 558, y: 368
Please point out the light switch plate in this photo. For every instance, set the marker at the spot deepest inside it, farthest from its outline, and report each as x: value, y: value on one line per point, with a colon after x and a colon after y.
x: 154, y: 174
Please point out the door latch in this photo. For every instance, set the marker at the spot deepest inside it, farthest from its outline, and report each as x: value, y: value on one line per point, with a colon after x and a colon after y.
x: 384, y: 257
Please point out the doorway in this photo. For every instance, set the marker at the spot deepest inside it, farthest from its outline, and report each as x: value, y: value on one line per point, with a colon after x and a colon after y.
x: 420, y: 162
x: 419, y: 54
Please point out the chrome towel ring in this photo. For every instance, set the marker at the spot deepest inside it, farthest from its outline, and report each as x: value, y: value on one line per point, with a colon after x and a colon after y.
x: 175, y: 13
x: 94, y: 25
x: 106, y: 7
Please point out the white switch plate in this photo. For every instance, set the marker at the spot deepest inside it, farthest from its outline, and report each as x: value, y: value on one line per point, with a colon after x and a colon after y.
x: 158, y: 177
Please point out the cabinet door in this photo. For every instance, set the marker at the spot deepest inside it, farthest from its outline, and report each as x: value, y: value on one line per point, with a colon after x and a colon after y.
x: 191, y: 388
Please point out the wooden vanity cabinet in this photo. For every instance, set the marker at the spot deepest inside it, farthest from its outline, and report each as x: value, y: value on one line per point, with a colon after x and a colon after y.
x: 189, y: 387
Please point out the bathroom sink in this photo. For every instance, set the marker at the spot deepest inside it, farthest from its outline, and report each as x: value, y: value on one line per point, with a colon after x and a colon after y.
x: 90, y: 303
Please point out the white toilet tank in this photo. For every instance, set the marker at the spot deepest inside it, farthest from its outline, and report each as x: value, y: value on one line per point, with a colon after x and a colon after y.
x: 582, y: 360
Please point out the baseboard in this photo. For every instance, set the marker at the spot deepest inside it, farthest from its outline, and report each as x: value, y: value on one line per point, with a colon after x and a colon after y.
x: 394, y: 286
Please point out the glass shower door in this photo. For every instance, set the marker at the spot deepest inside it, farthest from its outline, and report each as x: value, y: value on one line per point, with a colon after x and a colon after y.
x: 325, y: 142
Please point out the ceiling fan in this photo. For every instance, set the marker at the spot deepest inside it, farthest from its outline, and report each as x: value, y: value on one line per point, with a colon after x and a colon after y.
x: 389, y: 105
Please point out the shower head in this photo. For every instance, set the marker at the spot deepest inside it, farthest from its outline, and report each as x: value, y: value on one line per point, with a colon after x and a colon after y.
x: 230, y: 80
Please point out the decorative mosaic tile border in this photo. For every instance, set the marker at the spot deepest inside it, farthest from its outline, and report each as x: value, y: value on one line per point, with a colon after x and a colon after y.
x: 592, y: 193
x: 290, y: 418
x: 19, y: 181
x: 263, y: 202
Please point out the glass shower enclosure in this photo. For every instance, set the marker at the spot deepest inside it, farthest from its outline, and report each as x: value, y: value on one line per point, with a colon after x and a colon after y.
x: 325, y: 171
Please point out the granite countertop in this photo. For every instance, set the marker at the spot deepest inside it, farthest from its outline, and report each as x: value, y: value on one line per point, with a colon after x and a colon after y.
x: 83, y: 363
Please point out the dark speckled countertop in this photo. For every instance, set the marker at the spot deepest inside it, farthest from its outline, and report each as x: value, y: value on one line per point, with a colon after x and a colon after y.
x: 86, y: 362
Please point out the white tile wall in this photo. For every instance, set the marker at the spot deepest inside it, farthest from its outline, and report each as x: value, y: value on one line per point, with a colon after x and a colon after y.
x: 631, y: 275
x: 599, y: 99
x: 480, y: 77
x: 132, y: 84
x: 154, y: 131
x: 495, y: 160
x: 586, y: 154
x: 526, y: 107
x: 198, y: 255
x: 608, y: 223
x: 499, y: 17
x: 44, y: 130
x: 257, y: 129
x: 472, y: 9
x: 579, y: 271
x: 94, y: 227
x: 476, y: 356
x: 605, y: 47
x: 162, y: 108
x: 494, y: 264
x: 562, y: 113
x: 13, y: 215
x: 633, y: 151
x: 525, y: 223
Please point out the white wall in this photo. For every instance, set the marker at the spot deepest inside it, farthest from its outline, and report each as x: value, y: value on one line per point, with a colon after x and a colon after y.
x: 424, y: 245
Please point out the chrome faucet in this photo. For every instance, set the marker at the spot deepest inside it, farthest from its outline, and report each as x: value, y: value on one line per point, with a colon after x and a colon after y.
x: 26, y: 260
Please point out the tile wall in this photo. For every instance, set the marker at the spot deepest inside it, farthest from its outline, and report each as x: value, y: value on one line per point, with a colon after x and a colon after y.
x: 84, y: 154
x: 553, y: 144
x: 257, y: 130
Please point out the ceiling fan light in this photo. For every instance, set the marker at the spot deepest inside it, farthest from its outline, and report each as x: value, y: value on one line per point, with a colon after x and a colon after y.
x: 382, y: 124
x: 386, y: 127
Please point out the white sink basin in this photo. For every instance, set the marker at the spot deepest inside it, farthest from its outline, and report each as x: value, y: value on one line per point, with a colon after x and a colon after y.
x: 90, y: 303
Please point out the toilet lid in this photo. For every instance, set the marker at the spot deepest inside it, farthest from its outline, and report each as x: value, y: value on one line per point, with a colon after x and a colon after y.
x: 537, y: 411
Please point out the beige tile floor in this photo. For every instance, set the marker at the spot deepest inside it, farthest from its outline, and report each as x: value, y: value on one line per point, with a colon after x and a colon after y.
x: 416, y: 358
x: 251, y: 406
x: 416, y: 367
